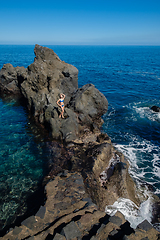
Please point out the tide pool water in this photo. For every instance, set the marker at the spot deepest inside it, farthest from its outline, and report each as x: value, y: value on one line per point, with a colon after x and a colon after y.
x: 129, y: 77
x: 22, y: 161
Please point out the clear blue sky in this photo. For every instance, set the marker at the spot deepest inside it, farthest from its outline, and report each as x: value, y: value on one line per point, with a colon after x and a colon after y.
x: 101, y: 22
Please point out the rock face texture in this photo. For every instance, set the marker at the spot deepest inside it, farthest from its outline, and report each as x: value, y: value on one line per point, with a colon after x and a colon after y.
x: 40, y: 85
x: 46, y: 78
x: 9, y: 79
x: 90, y: 155
x: 69, y: 213
x: 89, y: 103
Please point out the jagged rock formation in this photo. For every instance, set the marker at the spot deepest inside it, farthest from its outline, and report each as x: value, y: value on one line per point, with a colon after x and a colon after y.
x: 42, y: 82
x: 9, y: 83
x: 69, y: 213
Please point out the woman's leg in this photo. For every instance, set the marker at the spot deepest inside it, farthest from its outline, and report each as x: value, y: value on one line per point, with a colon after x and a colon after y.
x: 62, y: 111
x: 61, y: 115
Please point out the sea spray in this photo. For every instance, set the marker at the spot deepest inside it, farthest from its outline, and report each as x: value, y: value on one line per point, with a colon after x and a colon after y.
x: 143, y: 158
x: 132, y: 213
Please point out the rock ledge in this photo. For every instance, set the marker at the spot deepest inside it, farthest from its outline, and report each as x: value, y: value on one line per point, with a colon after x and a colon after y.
x: 69, y: 213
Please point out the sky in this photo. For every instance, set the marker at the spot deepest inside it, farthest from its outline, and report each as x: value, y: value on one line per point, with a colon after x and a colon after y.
x: 80, y: 22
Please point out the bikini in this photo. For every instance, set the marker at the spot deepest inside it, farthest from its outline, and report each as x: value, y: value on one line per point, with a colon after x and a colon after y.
x: 62, y: 100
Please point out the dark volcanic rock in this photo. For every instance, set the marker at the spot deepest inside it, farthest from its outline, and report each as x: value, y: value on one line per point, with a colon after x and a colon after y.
x: 75, y: 216
x: 155, y: 109
x: 41, y: 84
x: 9, y: 79
x: 71, y: 231
x: 46, y: 79
x: 89, y: 103
x: 145, y: 225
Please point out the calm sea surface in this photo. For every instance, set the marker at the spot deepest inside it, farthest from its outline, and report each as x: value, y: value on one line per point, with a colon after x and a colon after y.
x: 129, y: 77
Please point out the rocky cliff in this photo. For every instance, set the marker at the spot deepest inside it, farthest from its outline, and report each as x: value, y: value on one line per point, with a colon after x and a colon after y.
x: 40, y: 85
x: 75, y: 199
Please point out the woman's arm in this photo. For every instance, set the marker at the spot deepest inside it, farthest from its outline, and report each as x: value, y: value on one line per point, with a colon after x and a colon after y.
x: 58, y: 103
x: 64, y: 95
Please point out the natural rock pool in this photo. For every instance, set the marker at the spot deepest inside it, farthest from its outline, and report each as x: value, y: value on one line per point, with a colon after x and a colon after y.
x: 22, y: 160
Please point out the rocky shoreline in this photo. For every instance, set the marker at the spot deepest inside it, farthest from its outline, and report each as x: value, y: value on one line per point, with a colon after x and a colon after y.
x: 69, y: 213
x: 75, y: 204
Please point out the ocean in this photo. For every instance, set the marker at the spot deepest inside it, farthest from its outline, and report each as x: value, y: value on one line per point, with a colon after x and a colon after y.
x: 129, y: 77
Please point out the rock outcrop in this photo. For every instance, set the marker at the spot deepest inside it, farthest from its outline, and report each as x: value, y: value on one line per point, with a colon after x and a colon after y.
x: 9, y: 75
x: 40, y: 85
x: 155, y: 108
x: 69, y: 213
x: 75, y: 203
x: 90, y: 155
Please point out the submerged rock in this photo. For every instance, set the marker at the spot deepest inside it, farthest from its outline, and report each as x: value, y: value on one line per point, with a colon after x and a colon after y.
x: 155, y: 108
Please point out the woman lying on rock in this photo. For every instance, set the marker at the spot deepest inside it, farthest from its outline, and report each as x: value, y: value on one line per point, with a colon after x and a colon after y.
x: 60, y: 103
x: 108, y: 172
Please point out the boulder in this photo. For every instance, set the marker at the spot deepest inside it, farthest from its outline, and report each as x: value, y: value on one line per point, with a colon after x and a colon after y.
x: 89, y: 103
x: 155, y: 108
x: 9, y: 79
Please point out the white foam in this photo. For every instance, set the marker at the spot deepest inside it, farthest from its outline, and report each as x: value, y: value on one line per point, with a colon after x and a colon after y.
x: 144, y: 159
x: 146, y: 112
x: 156, y: 165
x: 130, y: 210
x: 111, y: 113
x: 145, y: 74
x: 157, y: 191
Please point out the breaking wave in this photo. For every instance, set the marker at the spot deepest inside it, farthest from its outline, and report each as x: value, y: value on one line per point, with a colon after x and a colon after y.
x: 133, y: 214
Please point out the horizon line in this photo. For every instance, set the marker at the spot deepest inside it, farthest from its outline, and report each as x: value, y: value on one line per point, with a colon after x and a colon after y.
x: 25, y: 44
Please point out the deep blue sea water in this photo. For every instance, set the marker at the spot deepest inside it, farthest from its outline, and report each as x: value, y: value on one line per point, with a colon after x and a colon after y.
x: 129, y: 77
